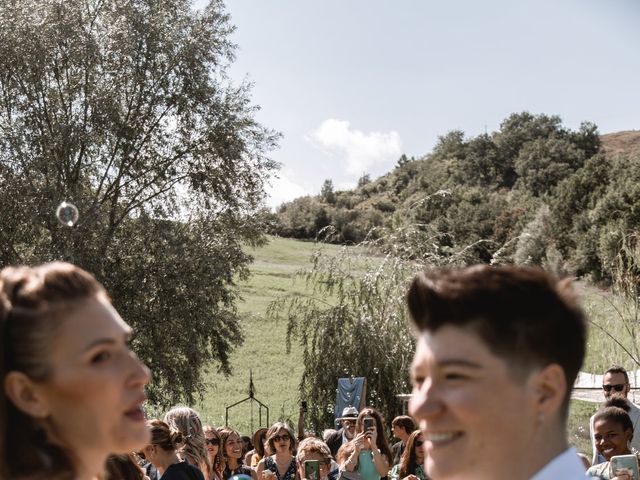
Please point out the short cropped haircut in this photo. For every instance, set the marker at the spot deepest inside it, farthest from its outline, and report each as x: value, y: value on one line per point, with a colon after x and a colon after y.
x: 523, y: 315
x: 618, y: 369
x: 405, y: 422
x: 313, y: 445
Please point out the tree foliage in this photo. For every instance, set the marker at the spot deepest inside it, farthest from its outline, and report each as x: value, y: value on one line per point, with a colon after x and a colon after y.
x: 124, y: 109
x: 353, y: 324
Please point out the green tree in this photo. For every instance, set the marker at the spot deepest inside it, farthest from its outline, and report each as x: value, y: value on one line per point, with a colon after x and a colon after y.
x: 327, y: 193
x: 123, y: 108
x: 354, y: 323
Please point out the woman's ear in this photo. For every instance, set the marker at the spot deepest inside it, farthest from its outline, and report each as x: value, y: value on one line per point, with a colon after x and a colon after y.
x: 25, y: 394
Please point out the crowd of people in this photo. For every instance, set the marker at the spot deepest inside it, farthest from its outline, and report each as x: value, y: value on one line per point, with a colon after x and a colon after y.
x: 497, y: 351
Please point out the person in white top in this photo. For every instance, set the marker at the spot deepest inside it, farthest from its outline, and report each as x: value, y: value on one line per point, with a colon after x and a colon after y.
x: 498, y: 349
x: 615, y: 383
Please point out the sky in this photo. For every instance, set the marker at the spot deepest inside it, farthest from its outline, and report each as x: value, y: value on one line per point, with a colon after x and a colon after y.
x: 354, y: 84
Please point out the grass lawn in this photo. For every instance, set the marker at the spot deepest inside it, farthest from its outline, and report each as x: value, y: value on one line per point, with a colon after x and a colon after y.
x: 276, y: 374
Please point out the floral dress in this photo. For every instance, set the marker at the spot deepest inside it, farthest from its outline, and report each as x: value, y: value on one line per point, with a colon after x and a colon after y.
x: 290, y: 474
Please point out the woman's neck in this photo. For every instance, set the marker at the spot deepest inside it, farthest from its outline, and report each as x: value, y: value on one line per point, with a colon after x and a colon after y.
x: 233, y: 463
x: 283, y: 457
x: 164, y: 460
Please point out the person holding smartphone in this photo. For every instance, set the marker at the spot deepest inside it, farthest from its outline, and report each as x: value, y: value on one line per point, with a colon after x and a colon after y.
x: 613, y: 431
x: 368, y: 453
x: 314, y: 460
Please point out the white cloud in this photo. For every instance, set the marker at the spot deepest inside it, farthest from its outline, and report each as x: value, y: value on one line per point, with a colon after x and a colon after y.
x: 361, y: 151
x: 282, y: 189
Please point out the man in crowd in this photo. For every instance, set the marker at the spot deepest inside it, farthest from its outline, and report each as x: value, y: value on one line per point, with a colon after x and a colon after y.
x: 345, y: 433
x: 498, y: 350
x: 615, y: 383
x: 401, y: 426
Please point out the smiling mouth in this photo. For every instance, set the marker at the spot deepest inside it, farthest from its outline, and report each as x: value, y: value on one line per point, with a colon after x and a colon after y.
x: 438, y: 439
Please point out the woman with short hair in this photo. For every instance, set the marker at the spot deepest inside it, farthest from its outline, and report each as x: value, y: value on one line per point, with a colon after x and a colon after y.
x: 315, y: 449
x: 72, y: 388
x: 279, y: 464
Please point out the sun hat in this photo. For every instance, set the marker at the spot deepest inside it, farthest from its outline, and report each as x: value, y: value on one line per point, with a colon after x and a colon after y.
x: 349, y: 413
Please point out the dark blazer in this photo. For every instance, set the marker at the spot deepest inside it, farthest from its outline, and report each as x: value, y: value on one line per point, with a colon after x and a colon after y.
x: 334, y: 442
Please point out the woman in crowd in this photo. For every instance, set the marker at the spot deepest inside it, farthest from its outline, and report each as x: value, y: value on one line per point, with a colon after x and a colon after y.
x: 254, y: 456
x: 232, y: 453
x: 412, y: 460
x: 162, y: 452
x: 368, y: 453
x: 280, y: 463
x: 214, y: 452
x: 193, y: 450
x: 315, y: 449
x: 613, y: 431
x: 72, y: 388
x: 123, y: 467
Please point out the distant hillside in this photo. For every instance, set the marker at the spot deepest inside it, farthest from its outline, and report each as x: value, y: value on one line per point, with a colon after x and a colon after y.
x: 533, y: 192
x: 621, y: 143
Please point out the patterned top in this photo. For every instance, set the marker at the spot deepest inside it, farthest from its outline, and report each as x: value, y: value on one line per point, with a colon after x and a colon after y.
x: 242, y: 469
x: 290, y: 474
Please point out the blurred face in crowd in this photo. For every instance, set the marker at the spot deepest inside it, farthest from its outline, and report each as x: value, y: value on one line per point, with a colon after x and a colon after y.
x: 473, y: 416
x: 281, y: 441
x: 213, y: 445
x: 349, y: 427
x: 614, y: 384
x: 324, y: 464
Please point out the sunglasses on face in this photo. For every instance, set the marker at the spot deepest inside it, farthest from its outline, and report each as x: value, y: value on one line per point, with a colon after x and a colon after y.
x: 213, y: 442
x: 618, y: 387
x: 284, y: 438
x: 350, y: 423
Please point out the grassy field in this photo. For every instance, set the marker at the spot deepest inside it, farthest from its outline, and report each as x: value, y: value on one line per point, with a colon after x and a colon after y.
x: 276, y: 374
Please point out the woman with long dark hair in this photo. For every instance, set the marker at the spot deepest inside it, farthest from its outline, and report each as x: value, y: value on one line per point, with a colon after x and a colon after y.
x: 368, y: 453
x: 72, y: 388
x: 232, y: 453
x: 412, y: 460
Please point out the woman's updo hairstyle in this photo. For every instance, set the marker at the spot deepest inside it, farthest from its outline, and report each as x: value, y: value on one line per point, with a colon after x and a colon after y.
x: 615, y: 410
x: 33, y: 304
x: 164, y: 436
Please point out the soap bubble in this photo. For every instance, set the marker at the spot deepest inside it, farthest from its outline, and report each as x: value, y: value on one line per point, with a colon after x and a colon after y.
x: 346, y: 371
x: 376, y: 370
x: 329, y: 408
x: 67, y: 214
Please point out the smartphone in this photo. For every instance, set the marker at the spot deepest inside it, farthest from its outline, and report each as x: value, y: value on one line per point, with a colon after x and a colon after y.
x: 303, y: 405
x: 624, y: 464
x: 312, y: 469
x: 368, y: 423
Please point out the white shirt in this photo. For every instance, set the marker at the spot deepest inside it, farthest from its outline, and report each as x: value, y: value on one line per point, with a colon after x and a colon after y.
x: 566, y: 466
x: 634, y: 415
